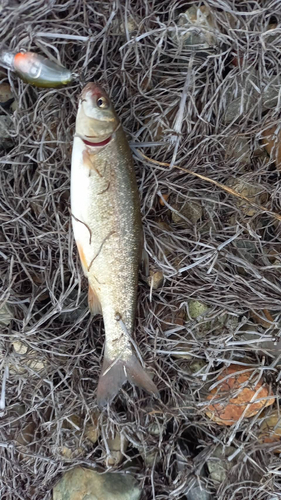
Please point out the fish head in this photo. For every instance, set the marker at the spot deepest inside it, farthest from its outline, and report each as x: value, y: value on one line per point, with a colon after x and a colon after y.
x: 96, y: 119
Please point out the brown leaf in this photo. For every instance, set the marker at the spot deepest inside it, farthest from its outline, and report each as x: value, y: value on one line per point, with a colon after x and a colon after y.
x: 234, y: 399
x: 258, y: 318
x: 272, y: 141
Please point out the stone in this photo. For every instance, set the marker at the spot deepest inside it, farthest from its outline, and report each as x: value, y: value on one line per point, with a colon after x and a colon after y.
x: 19, y: 347
x: 6, y: 315
x: 191, y: 210
x: 92, y: 431
x: 117, y: 447
x: 6, y: 95
x: 87, y: 484
x: 239, y: 149
x: 199, y: 28
x: 218, y: 464
x: 15, y: 106
x: 6, y: 124
x: 246, y: 249
x: 150, y: 457
x: 155, y: 280
x: 198, y: 492
x: 270, y: 429
x: 254, y: 193
x: 197, y: 365
x: 197, y: 309
x: 241, y: 95
x: 24, y: 359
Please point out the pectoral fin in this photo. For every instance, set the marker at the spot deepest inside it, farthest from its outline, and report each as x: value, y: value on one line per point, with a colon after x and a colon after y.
x: 82, y: 259
x: 93, y: 302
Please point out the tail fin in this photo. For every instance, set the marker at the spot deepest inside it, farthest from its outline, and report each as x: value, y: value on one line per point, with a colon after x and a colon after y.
x: 115, y: 373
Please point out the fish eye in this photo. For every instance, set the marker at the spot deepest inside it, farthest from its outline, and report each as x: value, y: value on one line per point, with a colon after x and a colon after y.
x: 102, y: 102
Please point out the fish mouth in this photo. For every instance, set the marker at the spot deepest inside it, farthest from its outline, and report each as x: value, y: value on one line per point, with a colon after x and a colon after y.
x: 95, y: 144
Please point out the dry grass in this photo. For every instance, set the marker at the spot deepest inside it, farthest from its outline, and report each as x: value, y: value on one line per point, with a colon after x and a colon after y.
x: 151, y: 80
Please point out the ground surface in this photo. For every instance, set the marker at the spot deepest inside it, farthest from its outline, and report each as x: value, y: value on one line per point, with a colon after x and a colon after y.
x: 224, y: 253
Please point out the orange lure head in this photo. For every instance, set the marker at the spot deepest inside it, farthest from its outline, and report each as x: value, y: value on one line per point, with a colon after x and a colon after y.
x: 39, y: 71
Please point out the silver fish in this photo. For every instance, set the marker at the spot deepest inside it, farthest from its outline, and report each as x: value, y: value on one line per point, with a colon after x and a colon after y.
x: 108, y: 233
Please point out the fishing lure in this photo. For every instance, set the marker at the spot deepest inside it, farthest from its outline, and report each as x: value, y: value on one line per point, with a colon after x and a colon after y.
x: 37, y: 70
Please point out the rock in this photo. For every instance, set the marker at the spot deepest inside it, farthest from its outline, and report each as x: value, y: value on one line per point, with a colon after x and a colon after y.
x: 19, y: 347
x: 196, y: 29
x: 15, y: 106
x: 191, y: 210
x: 218, y: 464
x: 92, y: 431
x: 239, y: 149
x: 197, y: 309
x: 121, y: 27
x: 117, y: 447
x: 197, y: 365
x: 25, y: 359
x: 254, y: 192
x: 67, y: 452
x: 155, y: 280
x: 86, y: 484
x: 198, y: 492
x: 6, y: 95
x: 246, y: 249
x: 270, y: 430
x: 150, y: 457
x: 154, y: 429
x: 6, y: 124
x: 6, y: 315
x: 271, y: 93
x: 241, y: 95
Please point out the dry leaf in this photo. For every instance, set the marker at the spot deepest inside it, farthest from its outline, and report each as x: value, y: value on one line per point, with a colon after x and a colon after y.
x: 272, y: 141
x: 165, y: 197
x: 238, y: 393
x: 258, y: 318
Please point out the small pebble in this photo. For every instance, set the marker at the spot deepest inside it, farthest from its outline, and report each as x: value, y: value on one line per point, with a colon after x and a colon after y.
x: 6, y: 124
x: 6, y: 95
x: 197, y: 309
x: 6, y: 315
x: 155, y: 280
x: 117, y: 447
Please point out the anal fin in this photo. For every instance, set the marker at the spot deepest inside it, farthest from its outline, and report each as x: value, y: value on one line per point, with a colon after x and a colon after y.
x: 93, y: 302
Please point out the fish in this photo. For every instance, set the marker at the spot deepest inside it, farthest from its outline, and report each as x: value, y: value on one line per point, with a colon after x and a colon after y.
x: 108, y: 231
x: 36, y: 70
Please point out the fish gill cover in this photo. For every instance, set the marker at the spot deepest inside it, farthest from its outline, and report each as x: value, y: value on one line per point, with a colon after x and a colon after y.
x: 196, y: 86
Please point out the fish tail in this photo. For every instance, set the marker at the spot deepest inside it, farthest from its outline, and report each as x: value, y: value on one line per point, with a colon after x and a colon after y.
x: 115, y: 373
